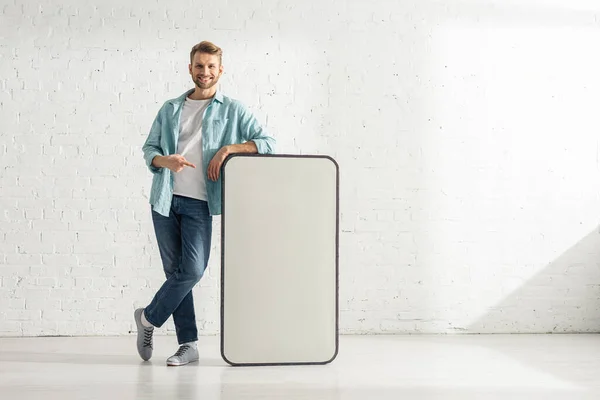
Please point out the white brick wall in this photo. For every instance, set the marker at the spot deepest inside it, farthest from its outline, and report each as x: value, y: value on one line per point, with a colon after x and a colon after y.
x: 466, y: 132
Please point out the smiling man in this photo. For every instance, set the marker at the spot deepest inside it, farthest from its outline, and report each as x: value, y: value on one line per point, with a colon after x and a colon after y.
x: 190, y: 138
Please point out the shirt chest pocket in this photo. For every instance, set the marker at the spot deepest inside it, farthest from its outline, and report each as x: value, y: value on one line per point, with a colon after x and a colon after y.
x: 216, y: 131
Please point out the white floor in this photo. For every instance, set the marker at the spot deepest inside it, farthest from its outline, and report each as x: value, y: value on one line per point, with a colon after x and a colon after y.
x: 367, y: 367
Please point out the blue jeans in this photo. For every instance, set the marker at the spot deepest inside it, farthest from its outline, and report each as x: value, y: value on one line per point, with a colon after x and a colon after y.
x: 184, y: 239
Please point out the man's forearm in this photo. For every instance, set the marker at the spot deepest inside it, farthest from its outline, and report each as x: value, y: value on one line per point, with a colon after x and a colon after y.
x: 248, y: 147
x: 158, y: 162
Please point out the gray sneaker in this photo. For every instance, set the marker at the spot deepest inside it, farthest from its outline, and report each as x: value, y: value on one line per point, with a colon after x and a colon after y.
x: 186, y: 354
x: 144, y: 336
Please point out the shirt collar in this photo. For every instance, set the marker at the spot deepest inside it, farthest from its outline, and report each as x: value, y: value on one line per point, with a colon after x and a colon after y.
x: 181, y: 99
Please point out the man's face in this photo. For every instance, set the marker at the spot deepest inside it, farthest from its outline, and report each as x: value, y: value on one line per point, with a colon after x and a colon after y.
x: 205, y: 70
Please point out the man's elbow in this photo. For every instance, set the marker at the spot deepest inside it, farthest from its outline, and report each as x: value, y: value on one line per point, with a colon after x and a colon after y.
x: 264, y: 145
x: 269, y: 145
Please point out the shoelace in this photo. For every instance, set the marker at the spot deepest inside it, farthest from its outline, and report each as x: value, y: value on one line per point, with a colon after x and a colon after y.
x: 148, y: 337
x: 182, y: 350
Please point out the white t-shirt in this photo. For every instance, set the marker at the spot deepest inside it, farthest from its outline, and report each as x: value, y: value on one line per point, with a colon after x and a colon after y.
x: 191, y: 182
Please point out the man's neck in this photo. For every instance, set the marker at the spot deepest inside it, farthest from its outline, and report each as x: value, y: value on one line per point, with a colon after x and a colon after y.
x: 203, y: 94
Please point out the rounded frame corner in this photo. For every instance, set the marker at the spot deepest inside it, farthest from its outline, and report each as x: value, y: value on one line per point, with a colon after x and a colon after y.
x: 334, y: 161
x: 224, y: 357
x: 335, y: 353
x: 229, y: 158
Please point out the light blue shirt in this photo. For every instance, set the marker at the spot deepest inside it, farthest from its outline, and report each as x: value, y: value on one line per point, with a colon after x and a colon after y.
x: 226, y: 121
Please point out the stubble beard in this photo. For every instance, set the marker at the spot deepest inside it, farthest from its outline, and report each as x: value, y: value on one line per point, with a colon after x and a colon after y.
x: 207, y: 85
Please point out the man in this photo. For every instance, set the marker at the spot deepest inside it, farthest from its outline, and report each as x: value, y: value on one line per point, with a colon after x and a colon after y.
x: 189, y: 140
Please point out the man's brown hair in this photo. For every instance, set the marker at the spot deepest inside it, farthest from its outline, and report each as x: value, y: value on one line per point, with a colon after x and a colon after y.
x: 206, y: 47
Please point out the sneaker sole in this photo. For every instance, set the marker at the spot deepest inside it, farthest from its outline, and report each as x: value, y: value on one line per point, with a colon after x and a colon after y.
x: 172, y: 364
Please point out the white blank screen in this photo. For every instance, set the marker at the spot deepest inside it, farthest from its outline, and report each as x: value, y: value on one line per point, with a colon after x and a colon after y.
x: 279, y: 282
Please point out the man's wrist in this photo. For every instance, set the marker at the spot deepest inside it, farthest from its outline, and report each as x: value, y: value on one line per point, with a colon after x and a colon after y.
x: 157, y: 161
